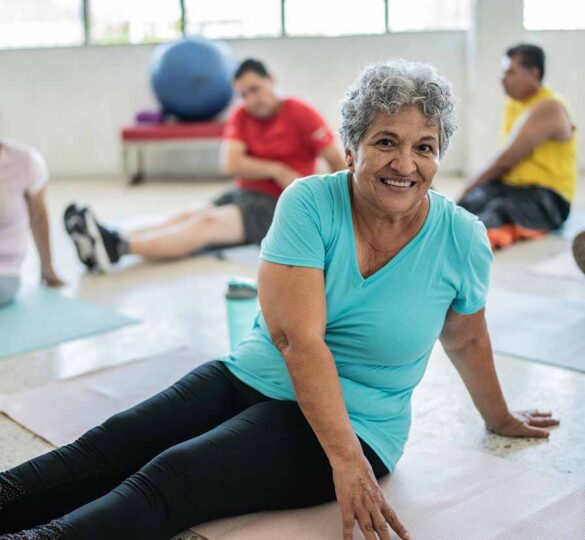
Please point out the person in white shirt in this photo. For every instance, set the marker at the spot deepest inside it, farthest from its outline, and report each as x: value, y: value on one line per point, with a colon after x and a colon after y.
x: 23, y: 181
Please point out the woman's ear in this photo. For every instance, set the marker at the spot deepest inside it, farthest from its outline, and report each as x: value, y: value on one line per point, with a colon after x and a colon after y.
x: 349, y: 160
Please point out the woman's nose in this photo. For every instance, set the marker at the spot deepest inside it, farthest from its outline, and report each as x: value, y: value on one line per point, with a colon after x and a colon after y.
x: 403, y: 163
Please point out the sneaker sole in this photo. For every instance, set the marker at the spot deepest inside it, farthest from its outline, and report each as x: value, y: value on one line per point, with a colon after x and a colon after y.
x: 103, y: 261
x: 77, y: 233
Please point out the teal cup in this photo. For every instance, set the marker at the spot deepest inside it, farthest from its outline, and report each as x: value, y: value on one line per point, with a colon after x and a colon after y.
x: 242, y: 307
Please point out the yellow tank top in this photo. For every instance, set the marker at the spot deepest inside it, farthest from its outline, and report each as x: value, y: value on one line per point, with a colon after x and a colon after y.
x: 553, y: 164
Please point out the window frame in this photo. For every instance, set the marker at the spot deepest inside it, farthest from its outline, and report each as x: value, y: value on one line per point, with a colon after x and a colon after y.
x: 86, y: 23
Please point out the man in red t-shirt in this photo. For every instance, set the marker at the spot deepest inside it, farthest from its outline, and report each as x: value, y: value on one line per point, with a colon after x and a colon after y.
x: 269, y: 141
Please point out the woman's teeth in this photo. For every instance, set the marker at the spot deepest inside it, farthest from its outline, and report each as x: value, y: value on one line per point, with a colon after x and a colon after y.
x: 397, y: 183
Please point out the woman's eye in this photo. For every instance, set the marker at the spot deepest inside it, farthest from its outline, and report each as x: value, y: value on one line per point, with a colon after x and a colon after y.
x: 385, y: 142
x: 426, y: 149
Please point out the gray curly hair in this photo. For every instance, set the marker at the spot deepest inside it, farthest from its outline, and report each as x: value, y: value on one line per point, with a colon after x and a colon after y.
x: 387, y: 87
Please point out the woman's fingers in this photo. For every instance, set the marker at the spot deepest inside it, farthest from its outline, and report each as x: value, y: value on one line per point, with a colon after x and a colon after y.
x: 529, y: 431
x: 381, y: 526
x: 543, y: 422
x: 366, y: 524
x: 394, y: 523
x: 536, y: 412
x: 348, y: 520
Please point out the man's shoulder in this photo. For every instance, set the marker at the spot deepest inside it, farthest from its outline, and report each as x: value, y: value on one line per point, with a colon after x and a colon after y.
x: 296, y: 105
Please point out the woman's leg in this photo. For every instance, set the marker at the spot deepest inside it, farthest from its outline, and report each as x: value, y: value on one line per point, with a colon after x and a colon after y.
x: 265, y: 458
x: 69, y: 477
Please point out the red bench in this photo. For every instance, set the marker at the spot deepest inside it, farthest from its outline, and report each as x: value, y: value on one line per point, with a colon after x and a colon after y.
x: 138, y: 137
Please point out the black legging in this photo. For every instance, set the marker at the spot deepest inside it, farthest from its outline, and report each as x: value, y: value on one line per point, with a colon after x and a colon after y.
x: 533, y: 207
x: 207, y: 447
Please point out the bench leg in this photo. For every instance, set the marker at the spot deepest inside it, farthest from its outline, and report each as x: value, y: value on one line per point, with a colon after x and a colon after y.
x: 138, y: 177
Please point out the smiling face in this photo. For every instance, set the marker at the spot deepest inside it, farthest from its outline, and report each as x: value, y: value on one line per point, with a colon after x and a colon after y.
x: 395, y: 163
x: 258, y: 94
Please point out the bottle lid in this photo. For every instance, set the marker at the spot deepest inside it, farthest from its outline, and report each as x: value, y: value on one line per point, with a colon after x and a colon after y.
x: 241, y: 288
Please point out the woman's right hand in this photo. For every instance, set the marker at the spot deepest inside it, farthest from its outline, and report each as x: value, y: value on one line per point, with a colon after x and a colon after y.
x: 360, y: 498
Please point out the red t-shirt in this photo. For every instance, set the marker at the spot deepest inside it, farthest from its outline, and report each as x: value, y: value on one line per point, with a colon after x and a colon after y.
x: 294, y: 136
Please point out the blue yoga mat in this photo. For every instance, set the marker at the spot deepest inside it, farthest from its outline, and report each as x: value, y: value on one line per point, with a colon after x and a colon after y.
x: 42, y: 318
x: 541, y: 328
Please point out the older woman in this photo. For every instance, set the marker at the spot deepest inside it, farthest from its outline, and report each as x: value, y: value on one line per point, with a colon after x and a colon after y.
x: 362, y: 271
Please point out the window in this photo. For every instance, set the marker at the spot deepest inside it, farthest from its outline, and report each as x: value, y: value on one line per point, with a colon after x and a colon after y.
x: 233, y: 18
x: 334, y: 17
x: 408, y: 15
x: 134, y: 21
x: 40, y: 23
x: 557, y: 15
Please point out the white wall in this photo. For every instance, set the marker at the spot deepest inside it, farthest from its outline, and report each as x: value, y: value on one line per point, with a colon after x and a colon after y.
x: 71, y: 103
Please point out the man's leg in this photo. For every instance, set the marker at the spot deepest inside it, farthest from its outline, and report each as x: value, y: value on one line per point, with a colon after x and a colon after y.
x: 221, y: 225
x: 172, y: 220
x: 69, y: 477
x: 99, y: 247
x: 265, y: 458
x: 475, y: 201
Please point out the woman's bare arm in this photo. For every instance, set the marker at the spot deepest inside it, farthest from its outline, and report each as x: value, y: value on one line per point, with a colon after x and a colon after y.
x: 466, y: 341
x: 294, y: 307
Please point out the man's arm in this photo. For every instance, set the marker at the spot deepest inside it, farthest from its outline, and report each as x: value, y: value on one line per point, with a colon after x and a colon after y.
x: 39, y: 223
x: 466, y: 341
x: 236, y: 162
x: 333, y: 158
x: 547, y: 120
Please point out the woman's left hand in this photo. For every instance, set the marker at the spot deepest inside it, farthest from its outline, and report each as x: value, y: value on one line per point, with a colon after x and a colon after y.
x: 525, y: 424
x: 50, y: 278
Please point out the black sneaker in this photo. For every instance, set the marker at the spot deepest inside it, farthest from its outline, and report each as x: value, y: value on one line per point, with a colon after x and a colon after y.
x: 579, y: 250
x: 77, y: 229
x: 95, y: 245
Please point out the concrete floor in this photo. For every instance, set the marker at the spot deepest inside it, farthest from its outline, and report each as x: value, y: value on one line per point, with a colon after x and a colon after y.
x: 165, y: 297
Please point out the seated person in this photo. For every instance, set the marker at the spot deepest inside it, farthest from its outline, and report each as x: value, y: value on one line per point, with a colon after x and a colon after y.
x: 269, y: 141
x: 527, y: 188
x: 362, y: 271
x: 23, y: 181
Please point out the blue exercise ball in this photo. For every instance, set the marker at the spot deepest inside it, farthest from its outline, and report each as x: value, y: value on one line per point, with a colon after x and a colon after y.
x: 192, y: 78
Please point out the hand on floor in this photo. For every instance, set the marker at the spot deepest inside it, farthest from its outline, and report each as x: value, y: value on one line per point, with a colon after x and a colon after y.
x: 526, y: 424
x: 361, y: 499
x: 51, y: 279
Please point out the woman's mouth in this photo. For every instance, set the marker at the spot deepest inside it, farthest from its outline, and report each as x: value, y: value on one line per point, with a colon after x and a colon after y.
x: 397, y: 184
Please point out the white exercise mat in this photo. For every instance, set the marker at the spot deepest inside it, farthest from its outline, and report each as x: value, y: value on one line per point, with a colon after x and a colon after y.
x: 62, y: 411
x: 561, y: 266
x: 440, y: 493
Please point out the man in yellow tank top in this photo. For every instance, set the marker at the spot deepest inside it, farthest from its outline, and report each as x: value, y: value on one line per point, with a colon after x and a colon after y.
x: 527, y: 188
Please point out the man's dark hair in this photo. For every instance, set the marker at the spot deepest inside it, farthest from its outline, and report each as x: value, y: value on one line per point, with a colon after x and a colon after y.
x: 253, y: 65
x: 531, y: 56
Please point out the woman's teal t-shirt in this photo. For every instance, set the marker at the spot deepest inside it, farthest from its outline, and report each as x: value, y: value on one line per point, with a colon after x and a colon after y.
x: 380, y: 330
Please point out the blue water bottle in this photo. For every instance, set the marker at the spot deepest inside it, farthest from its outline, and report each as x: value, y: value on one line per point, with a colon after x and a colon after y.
x: 242, y: 307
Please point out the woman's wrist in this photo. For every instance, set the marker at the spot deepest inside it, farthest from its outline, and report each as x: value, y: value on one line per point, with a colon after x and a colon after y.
x: 497, y: 422
x: 347, y: 456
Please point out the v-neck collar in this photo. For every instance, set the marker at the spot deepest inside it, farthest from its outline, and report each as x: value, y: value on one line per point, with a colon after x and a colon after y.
x: 358, y: 278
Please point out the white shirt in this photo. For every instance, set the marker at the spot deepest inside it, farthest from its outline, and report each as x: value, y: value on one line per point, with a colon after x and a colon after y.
x: 22, y: 171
